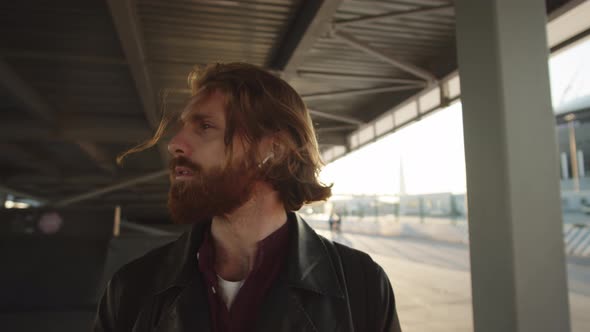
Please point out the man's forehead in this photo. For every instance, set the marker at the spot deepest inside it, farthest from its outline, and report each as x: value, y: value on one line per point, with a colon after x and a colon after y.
x: 204, y: 106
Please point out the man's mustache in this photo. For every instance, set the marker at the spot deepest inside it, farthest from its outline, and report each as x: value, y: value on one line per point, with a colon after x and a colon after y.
x: 183, y: 162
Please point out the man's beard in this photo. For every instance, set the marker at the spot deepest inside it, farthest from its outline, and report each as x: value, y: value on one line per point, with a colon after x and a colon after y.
x: 212, y: 193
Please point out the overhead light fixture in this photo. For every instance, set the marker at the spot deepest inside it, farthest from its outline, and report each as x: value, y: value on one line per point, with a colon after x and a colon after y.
x: 15, y: 205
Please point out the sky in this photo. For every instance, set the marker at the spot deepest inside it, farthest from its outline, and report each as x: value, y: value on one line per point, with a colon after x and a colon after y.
x: 429, y: 165
x: 430, y: 152
x: 569, y: 72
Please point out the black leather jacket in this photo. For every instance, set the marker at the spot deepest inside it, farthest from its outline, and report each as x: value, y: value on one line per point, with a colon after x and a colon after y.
x: 325, y: 287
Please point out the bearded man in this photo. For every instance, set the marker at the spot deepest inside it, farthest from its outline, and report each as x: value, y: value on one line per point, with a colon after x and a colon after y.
x: 245, y: 157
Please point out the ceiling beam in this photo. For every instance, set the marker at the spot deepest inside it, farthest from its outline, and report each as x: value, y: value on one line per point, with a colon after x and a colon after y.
x: 332, y: 140
x: 34, y: 104
x: 110, y: 188
x: 313, y: 20
x: 29, y: 98
x: 336, y: 117
x: 358, y: 92
x: 99, y: 155
x: 14, y: 131
x: 127, y: 24
x: 80, y: 181
x: 392, y: 14
x: 21, y: 156
x: 365, y: 47
x: 332, y: 129
x: 105, y: 129
x: 354, y: 77
x: 120, y: 135
x: 122, y: 131
x: 61, y: 57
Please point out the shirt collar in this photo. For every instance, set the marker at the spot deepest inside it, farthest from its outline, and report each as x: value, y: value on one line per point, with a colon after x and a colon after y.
x: 265, y: 255
x: 309, y: 265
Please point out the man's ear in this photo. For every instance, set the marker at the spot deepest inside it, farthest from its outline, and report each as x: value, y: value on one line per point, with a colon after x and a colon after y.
x: 278, y: 149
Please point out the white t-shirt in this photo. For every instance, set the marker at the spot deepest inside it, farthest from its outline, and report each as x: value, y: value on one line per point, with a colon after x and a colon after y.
x: 228, y: 290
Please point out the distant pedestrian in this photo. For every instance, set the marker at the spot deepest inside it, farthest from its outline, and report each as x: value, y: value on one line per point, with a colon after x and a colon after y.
x: 335, y: 222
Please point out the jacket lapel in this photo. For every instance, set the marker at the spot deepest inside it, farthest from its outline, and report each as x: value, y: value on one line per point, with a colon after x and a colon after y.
x: 283, y: 311
x: 190, y: 311
x: 308, y: 295
x: 310, y: 266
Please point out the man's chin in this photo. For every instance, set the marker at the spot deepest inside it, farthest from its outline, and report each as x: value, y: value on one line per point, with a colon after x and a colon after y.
x: 211, y: 195
x: 190, y: 209
x: 182, y: 214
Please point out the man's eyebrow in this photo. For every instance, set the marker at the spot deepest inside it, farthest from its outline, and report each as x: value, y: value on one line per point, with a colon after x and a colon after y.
x: 194, y: 116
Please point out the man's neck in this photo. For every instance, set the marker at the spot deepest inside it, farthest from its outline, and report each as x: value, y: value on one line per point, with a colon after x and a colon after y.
x: 235, y: 236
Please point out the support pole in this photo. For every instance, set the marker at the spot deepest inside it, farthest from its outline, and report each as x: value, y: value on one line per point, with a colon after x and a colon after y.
x: 518, y: 271
x: 117, y: 222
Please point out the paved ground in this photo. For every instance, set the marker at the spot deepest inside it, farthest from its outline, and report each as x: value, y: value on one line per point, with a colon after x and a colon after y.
x: 432, y: 282
x: 576, y: 218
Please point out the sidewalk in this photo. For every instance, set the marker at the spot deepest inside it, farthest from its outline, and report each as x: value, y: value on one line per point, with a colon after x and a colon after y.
x: 576, y: 231
x: 432, y: 281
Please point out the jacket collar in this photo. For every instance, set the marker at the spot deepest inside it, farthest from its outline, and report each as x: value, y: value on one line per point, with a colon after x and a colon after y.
x: 309, y: 266
x: 180, y: 265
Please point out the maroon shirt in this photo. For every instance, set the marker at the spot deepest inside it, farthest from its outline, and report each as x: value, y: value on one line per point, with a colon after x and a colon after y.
x: 243, y: 313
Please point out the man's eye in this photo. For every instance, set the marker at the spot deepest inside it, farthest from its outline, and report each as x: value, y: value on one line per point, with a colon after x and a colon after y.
x: 205, y: 126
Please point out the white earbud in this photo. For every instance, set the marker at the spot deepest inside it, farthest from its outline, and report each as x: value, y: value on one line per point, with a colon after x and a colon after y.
x: 265, y: 160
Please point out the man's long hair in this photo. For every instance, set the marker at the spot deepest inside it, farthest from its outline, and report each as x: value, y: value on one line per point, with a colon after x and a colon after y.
x: 258, y: 105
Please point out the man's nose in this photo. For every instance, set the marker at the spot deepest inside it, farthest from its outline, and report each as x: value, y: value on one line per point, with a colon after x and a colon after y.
x: 178, y: 145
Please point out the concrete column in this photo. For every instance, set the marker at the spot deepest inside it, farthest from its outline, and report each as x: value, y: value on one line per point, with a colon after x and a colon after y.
x: 517, y: 253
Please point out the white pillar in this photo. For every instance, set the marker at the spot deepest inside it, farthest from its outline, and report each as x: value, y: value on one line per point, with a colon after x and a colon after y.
x: 565, y: 174
x: 517, y: 254
x: 581, y: 169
